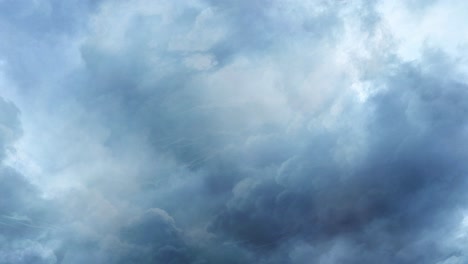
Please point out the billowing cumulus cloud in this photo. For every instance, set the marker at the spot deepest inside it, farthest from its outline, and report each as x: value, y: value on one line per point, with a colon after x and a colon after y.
x: 24, y: 216
x: 233, y: 132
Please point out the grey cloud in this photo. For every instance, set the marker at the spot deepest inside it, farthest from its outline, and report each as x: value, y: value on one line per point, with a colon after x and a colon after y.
x: 10, y: 128
x: 379, y: 209
x: 411, y: 180
x: 158, y: 238
x: 24, y: 217
x: 158, y: 222
x: 45, y: 17
x: 40, y: 30
x: 265, y: 156
x: 26, y: 251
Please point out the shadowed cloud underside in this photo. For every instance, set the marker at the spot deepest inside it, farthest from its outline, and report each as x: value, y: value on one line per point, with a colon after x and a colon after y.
x: 208, y: 132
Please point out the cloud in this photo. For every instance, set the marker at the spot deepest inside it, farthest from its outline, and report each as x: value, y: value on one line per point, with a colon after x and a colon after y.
x: 10, y: 128
x: 231, y: 132
x: 24, y: 217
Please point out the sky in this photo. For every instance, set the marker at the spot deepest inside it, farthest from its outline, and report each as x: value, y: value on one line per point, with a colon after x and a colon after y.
x: 233, y: 132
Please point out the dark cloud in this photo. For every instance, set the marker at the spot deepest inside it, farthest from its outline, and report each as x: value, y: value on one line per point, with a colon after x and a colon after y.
x: 408, y: 180
x: 229, y: 132
x: 24, y: 215
x: 408, y: 186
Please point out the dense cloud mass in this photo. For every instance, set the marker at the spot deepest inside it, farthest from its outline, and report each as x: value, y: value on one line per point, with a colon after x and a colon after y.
x: 23, y: 214
x: 233, y: 132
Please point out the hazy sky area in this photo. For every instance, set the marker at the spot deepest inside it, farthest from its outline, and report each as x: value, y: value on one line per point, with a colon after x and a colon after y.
x: 233, y: 131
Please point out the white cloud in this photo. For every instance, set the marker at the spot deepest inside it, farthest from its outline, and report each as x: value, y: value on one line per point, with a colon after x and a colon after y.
x: 438, y: 25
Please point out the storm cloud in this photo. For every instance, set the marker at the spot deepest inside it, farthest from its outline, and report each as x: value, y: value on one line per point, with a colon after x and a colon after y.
x: 233, y: 132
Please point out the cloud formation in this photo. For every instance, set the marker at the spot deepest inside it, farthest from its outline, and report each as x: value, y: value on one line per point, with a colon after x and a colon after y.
x: 231, y: 132
x: 24, y: 216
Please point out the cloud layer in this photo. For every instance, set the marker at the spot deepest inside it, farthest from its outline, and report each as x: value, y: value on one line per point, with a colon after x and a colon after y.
x: 232, y: 132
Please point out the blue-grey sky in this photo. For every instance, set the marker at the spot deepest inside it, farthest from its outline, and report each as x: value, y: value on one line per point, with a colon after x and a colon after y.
x: 208, y: 132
